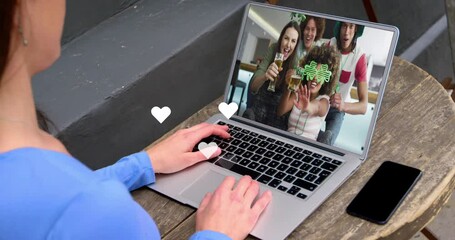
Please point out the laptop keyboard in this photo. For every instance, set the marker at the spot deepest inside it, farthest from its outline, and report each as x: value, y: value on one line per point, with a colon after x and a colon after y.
x: 280, y: 165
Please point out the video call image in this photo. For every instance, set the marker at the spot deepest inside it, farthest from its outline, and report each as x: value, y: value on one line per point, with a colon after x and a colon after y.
x: 313, y: 77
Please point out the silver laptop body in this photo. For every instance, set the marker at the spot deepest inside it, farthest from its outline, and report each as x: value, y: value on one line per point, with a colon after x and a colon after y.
x: 287, y: 211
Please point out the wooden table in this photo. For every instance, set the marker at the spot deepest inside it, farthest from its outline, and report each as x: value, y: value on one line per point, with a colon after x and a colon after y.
x: 416, y: 126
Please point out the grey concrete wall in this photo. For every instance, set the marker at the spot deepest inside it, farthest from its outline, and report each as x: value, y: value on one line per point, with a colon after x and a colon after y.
x: 155, y: 53
x: 81, y: 15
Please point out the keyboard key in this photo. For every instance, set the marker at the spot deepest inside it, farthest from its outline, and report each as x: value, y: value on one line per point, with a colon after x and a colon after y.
x: 263, y: 144
x: 253, y: 165
x: 223, y: 145
x: 280, y: 175
x: 244, y: 162
x: 305, y: 167
x: 293, y: 190
x: 301, y: 174
x: 236, y: 142
x: 272, y: 147
x: 291, y: 170
x: 329, y: 166
x: 289, y: 153
x: 286, y: 160
x: 307, y: 152
x: 255, y: 141
x: 239, y: 135
x: 282, y: 188
x: 316, y: 155
x: 336, y: 162
x: 287, y: 145
x: 301, y: 195
x: 239, y: 151
x: 296, y: 163
x: 297, y: 149
x: 317, y: 162
x: 237, y: 168
x: 245, y: 131
x: 247, y: 138
x: 247, y: 154
x: 305, y: 185
x: 275, y: 183
x: 279, y: 143
x: 310, y: 177
x: 326, y: 159
x: 261, y: 151
x: 228, y: 155
x: 236, y: 159
x: 230, y: 125
x: 252, y: 148
x: 282, y: 167
x: 221, y: 123
x: 324, y: 173
x: 280, y: 149
x: 298, y: 156
x: 264, y: 160
x: 271, y: 171
x: 264, y: 179
x: 256, y: 157
x: 271, y: 140
x: 244, y: 145
x: 262, y: 137
x: 269, y: 154
x: 307, y: 159
x: 254, y: 134
x: 273, y: 164
x: 261, y: 168
x: 289, y: 178
x: 315, y: 170
x: 278, y: 157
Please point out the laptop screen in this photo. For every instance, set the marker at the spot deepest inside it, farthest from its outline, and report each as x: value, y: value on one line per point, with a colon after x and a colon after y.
x: 314, y: 76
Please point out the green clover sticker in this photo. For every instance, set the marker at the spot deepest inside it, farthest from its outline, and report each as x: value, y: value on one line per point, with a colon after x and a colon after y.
x: 298, y: 17
x: 323, y: 74
x: 310, y: 70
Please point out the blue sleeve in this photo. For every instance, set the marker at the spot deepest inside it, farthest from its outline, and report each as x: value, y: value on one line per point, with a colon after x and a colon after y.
x: 134, y: 171
x: 209, y: 235
x: 103, y: 210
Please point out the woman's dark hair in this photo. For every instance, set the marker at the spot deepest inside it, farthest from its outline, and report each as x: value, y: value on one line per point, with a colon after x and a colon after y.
x: 7, y: 8
x: 324, y: 55
x: 291, y: 60
x: 320, y: 26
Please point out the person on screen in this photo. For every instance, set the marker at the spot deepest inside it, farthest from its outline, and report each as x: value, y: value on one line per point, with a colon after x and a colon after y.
x: 312, y: 31
x: 48, y: 194
x: 262, y: 103
x: 309, y: 105
x: 353, y: 67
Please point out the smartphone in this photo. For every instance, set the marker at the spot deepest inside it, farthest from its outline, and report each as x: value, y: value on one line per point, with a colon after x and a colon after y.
x: 384, y: 192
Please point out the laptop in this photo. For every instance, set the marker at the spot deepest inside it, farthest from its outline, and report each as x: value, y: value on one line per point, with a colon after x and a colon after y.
x: 301, y: 172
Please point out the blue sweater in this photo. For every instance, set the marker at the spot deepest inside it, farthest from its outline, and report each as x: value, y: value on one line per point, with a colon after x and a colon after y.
x: 50, y: 195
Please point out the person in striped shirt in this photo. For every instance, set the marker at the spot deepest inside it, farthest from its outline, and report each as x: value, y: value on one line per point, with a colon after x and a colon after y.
x: 309, y: 103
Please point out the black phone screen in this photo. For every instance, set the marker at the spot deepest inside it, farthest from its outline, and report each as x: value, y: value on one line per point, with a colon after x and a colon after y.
x: 384, y: 192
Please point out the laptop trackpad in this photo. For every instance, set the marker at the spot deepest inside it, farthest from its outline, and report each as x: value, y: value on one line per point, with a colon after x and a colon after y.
x: 208, y: 182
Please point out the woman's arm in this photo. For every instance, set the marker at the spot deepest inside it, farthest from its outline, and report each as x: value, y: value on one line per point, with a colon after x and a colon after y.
x: 259, y: 77
x: 286, y: 102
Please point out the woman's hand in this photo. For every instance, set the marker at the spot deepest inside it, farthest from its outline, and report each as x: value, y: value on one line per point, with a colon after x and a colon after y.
x: 337, y: 102
x: 303, y: 100
x: 176, y: 152
x: 272, y: 72
x: 230, y: 210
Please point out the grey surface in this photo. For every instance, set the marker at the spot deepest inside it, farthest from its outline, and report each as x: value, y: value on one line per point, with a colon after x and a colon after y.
x: 155, y: 53
x: 81, y: 15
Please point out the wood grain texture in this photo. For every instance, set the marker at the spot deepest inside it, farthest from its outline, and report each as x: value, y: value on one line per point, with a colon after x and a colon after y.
x: 415, y: 127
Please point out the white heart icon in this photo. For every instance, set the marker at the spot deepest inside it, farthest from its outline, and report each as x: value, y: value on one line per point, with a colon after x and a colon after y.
x: 207, y: 149
x: 228, y: 110
x: 161, y: 113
